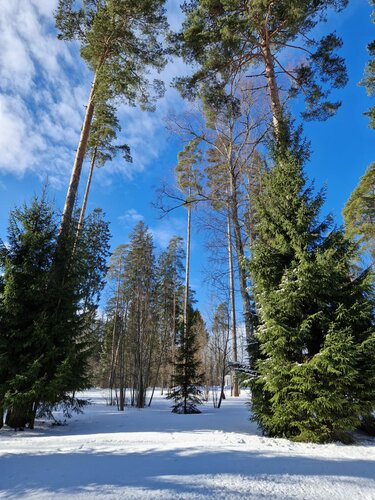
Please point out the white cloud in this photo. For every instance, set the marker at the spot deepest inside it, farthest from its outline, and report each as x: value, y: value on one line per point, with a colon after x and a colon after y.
x: 130, y: 217
x: 166, y: 229
x: 44, y: 87
x: 41, y: 109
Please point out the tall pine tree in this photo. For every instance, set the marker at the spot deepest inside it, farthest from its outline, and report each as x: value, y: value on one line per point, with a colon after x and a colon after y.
x: 120, y: 43
x: 224, y: 36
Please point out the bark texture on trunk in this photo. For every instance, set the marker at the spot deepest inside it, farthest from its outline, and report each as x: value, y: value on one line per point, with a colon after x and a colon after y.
x: 272, y: 83
x: 187, y: 270
x: 78, y: 162
x: 20, y: 416
x: 236, y: 391
x: 248, y: 317
x: 85, y: 198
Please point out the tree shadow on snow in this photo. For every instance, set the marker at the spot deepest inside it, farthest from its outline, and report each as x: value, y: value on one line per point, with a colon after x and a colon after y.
x: 185, y: 472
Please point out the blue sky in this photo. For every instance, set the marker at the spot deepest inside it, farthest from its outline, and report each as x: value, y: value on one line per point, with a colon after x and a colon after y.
x: 44, y: 87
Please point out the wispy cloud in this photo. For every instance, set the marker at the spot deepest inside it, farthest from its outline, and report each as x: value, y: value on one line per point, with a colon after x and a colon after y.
x: 41, y: 107
x: 44, y: 87
x: 130, y: 217
x: 166, y: 229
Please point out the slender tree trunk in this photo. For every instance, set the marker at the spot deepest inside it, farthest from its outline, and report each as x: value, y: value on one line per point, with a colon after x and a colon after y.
x: 113, y: 350
x: 154, y: 385
x: 236, y: 391
x: 187, y: 270
x: 173, y: 371
x: 186, y: 299
x: 121, y: 372
x: 272, y: 83
x: 78, y: 162
x: 84, y: 202
x: 246, y: 305
x: 222, y: 394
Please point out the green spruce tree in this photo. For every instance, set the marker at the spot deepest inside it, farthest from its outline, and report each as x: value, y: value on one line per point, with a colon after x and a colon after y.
x: 25, y: 261
x: 188, y: 380
x: 315, y: 366
x: 44, y: 345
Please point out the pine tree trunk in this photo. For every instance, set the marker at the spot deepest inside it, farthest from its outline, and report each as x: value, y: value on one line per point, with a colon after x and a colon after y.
x: 186, y: 299
x: 113, y: 350
x: 236, y: 392
x: 173, y: 371
x: 19, y: 416
x: 187, y: 270
x: 121, y: 374
x: 84, y: 202
x: 248, y: 317
x: 272, y: 83
x: 78, y: 162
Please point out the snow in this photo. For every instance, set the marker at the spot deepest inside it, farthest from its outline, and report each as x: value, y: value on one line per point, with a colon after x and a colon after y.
x: 155, y: 454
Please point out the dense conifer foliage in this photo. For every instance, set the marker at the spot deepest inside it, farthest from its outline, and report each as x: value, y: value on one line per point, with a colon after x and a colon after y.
x: 316, y: 338
x: 359, y: 212
x: 43, y: 319
x: 188, y: 379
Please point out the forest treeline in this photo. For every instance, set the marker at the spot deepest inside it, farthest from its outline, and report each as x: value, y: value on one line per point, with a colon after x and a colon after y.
x: 305, y: 285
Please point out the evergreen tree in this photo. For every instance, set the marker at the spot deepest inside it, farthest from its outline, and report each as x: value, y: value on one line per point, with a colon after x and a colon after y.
x: 359, y: 212
x: 170, y: 305
x: 315, y: 368
x: 187, y: 392
x: 44, y: 346
x: 25, y: 261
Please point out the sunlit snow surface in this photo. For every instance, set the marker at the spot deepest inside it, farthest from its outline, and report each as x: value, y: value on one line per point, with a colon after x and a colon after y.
x: 154, y: 454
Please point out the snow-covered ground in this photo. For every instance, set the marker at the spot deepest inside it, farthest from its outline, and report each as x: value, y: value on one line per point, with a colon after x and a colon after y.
x: 152, y: 454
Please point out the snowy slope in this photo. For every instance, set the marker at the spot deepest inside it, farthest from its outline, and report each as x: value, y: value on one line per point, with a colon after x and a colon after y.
x: 152, y: 453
